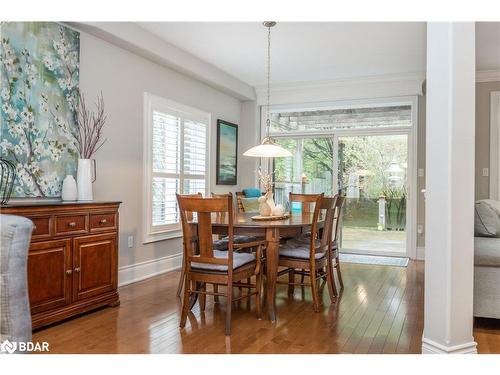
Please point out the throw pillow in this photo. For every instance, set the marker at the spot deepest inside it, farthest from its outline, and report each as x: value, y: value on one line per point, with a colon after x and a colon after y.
x: 487, y: 219
x: 252, y: 193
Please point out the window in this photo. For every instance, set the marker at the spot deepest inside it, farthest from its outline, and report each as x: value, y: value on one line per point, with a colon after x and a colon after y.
x: 175, y: 161
x: 366, y: 150
x: 379, y: 117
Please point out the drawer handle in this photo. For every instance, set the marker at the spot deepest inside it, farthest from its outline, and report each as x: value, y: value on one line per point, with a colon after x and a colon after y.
x: 72, y: 224
x: 69, y: 272
x: 77, y: 269
x: 103, y: 221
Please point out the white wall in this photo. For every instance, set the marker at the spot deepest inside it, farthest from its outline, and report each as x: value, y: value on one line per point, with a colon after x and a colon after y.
x: 123, y: 78
x: 483, y: 91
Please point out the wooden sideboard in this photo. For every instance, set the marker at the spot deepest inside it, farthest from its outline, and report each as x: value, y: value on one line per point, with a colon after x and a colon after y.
x: 73, y: 257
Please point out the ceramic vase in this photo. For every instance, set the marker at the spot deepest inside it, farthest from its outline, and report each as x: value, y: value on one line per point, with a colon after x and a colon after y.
x: 84, y: 179
x: 69, y: 190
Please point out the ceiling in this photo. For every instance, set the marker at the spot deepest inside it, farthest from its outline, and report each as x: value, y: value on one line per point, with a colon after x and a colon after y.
x: 300, y: 51
x: 315, y: 51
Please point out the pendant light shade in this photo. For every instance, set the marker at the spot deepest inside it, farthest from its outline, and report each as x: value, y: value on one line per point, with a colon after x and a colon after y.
x: 268, y: 148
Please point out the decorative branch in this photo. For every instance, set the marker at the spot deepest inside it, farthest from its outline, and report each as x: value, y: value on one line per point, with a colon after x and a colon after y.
x: 88, y: 132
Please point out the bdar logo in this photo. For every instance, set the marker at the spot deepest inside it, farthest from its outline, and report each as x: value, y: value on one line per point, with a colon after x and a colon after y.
x: 9, y: 347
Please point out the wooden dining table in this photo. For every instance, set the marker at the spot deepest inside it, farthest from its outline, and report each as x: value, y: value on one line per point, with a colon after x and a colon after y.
x: 272, y: 231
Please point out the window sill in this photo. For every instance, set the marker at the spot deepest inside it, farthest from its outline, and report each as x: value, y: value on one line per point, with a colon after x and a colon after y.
x: 161, y: 236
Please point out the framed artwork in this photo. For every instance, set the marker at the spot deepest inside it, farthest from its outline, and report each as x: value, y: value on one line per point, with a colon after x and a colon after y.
x: 39, y: 78
x: 227, y: 153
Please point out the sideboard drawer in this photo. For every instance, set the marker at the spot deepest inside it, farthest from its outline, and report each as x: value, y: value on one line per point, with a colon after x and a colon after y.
x: 102, y: 221
x: 71, y: 224
x: 42, y: 227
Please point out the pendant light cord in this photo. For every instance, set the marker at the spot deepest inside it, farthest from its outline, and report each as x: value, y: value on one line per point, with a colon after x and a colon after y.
x: 268, y: 119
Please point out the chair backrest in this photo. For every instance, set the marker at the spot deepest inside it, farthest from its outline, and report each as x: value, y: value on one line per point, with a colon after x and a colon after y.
x: 196, y: 218
x: 339, y: 204
x: 308, y: 200
x: 321, y: 241
x: 224, y: 195
x: 197, y: 195
x: 239, y: 204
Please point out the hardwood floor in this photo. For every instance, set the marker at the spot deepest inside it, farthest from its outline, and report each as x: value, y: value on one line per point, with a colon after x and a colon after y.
x: 381, y: 311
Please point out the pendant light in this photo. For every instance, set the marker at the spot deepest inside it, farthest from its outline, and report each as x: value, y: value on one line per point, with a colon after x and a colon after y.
x: 268, y: 148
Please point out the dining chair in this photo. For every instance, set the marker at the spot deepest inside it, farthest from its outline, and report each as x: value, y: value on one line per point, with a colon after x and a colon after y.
x: 223, y: 242
x: 339, y: 204
x: 205, y: 264
x: 315, y: 258
x: 183, y: 266
x: 307, y: 202
x: 239, y: 204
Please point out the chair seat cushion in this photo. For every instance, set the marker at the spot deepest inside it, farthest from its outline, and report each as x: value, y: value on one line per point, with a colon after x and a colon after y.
x: 239, y: 259
x: 223, y: 243
x: 298, y: 251
x: 302, y: 240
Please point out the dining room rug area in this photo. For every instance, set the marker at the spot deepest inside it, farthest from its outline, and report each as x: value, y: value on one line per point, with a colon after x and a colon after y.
x: 374, y: 259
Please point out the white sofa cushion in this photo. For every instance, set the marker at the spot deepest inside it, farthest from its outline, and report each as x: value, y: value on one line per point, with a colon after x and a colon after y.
x: 487, y: 251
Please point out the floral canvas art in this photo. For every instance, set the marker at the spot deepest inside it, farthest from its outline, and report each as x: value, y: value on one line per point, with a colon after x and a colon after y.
x: 39, y: 79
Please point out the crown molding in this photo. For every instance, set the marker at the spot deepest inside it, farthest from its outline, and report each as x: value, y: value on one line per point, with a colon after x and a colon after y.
x: 488, y: 76
x: 389, y: 85
x: 134, y: 38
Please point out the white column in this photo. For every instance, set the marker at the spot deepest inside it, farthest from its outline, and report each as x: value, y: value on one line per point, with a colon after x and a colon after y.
x: 449, y: 243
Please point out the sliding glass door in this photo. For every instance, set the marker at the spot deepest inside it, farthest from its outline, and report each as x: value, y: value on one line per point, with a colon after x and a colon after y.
x: 363, y: 153
x: 372, y: 174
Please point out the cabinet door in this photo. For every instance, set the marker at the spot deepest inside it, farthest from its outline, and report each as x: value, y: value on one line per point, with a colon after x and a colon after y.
x: 94, y: 265
x: 49, y: 274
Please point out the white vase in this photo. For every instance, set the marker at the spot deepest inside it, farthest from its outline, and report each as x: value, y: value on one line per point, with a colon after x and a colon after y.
x: 69, y: 190
x: 84, y: 179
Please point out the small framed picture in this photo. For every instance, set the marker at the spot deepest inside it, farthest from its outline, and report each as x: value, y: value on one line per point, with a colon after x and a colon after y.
x: 227, y: 153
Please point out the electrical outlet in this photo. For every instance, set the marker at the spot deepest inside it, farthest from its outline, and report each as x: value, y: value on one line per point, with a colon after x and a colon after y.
x: 486, y: 172
x: 421, y: 172
x: 130, y: 241
x: 420, y: 229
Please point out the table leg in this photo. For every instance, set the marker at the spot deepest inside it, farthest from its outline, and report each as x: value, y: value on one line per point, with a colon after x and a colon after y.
x: 272, y: 254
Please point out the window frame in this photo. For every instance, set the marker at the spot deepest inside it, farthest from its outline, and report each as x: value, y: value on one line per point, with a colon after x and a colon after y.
x: 156, y: 103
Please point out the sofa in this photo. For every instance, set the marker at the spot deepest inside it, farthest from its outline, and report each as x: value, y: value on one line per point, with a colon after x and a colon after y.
x: 487, y: 259
x: 15, y: 316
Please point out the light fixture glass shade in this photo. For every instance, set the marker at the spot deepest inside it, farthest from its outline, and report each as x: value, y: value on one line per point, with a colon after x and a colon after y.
x: 267, y: 149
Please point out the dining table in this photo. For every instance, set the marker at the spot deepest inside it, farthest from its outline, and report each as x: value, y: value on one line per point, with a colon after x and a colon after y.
x: 273, y: 231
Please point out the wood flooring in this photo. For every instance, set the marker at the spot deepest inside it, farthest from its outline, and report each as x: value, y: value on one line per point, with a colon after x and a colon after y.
x: 380, y: 311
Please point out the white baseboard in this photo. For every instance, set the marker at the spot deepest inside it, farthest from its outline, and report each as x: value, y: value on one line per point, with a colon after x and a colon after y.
x: 432, y: 347
x: 144, y: 270
x: 420, y: 253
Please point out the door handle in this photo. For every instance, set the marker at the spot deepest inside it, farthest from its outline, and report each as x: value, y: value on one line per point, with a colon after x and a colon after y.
x: 69, y: 272
x: 77, y: 269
